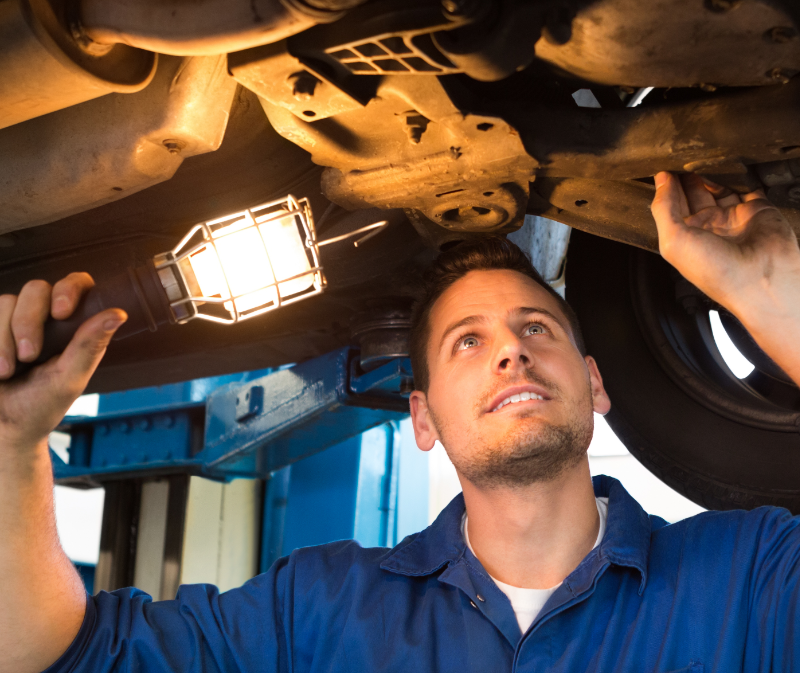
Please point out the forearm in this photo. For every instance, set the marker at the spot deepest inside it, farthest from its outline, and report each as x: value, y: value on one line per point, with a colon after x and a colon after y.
x: 772, y: 317
x: 42, y: 601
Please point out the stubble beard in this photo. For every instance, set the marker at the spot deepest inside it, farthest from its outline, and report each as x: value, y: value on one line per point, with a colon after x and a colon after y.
x: 534, y: 450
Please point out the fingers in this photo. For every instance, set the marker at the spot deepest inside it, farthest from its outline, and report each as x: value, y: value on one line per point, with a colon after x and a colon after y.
x: 8, y: 349
x: 669, y: 207
x: 67, y: 293
x: 81, y: 357
x: 754, y: 196
x: 729, y: 200
x: 697, y: 194
x: 27, y: 321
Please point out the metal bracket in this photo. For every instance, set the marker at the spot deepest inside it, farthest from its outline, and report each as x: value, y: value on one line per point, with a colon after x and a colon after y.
x: 250, y: 404
x: 242, y: 429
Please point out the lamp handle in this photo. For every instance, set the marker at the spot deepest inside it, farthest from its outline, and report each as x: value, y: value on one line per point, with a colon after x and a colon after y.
x: 137, y: 291
x: 374, y: 229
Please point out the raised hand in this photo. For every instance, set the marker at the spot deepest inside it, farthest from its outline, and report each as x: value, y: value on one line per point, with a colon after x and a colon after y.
x: 32, y: 405
x: 741, y: 252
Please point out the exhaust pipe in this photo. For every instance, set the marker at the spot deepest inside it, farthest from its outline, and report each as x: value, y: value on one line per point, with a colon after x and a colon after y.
x: 44, y: 69
x: 204, y: 27
x: 58, y: 53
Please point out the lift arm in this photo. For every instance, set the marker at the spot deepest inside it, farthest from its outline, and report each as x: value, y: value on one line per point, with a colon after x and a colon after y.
x: 240, y: 429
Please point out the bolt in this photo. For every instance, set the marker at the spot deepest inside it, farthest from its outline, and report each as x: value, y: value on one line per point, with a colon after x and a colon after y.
x: 125, y: 427
x: 416, y: 125
x: 145, y: 424
x: 781, y: 34
x: 173, y: 146
x: 303, y: 85
x: 102, y: 429
x: 793, y: 193
x: 169, y: 421
x: 779, y: 75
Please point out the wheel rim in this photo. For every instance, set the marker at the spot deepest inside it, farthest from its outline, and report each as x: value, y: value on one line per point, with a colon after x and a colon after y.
x: 674, y: 319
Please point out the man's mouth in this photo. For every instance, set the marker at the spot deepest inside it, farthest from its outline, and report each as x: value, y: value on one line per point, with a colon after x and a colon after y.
x: 518, y: 394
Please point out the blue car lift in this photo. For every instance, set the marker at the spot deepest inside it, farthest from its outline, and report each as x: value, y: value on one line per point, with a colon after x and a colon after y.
x: 250, y: 429
x: 256, y: 426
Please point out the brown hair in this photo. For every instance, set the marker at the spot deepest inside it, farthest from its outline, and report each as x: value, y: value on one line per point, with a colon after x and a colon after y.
x: 485, y: 254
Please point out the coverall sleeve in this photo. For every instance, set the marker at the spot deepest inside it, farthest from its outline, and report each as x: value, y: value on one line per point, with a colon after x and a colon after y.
x: 241, y: 630
x: 774, y: 633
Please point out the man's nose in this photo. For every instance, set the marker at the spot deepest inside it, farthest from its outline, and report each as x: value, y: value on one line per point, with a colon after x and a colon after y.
x: 511, y: 353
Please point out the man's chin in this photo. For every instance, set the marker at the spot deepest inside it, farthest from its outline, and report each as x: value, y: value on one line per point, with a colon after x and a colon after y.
x: 532, y: 449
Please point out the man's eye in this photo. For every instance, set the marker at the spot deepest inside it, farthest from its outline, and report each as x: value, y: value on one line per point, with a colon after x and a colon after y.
x: 534, y: 328
x: 467, y: 342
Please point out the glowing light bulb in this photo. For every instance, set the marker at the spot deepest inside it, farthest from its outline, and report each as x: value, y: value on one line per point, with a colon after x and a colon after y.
x: 247, y: 263
x: 253, y: 264
x: 236, y: 266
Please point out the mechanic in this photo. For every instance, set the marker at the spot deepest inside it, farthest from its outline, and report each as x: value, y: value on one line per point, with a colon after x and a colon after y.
x: 534, y: 568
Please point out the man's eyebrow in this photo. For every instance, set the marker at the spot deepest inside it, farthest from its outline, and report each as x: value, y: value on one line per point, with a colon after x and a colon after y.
x: 469, y: 320
x: 527, y: 310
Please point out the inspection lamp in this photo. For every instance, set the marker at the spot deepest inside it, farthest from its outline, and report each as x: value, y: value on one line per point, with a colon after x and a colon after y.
x: 225, y: 270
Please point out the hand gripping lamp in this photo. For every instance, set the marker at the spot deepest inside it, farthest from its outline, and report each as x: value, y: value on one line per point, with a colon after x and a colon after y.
x: 225, y: 270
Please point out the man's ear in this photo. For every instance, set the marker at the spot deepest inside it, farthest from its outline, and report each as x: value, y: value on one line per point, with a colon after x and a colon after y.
x: 424, y: 430
x: 600, y: 400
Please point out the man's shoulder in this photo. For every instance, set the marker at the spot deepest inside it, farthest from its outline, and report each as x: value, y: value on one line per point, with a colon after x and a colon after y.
x: 738, y: 519
x: 714, y: 532
x: 343, y: 557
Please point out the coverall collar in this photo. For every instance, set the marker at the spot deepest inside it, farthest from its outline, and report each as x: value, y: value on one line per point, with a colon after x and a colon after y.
x: 626, y: 541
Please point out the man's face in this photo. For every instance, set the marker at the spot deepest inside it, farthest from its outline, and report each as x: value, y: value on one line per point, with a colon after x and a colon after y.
x: 510, y: 396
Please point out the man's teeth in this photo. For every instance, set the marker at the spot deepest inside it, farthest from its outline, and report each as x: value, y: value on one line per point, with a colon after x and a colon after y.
x: 517, y: 398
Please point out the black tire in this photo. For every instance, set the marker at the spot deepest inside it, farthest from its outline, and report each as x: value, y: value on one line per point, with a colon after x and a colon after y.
x: 721, y: 442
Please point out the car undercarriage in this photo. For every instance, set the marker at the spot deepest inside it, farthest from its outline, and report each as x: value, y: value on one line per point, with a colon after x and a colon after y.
x: 122, y: 124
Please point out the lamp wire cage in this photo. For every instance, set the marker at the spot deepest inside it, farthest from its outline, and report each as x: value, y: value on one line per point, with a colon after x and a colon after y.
x: 175, y: 271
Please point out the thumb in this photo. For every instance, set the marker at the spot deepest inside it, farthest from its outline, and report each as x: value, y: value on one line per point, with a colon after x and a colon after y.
x: 81, y: 357
x: 669, y: 207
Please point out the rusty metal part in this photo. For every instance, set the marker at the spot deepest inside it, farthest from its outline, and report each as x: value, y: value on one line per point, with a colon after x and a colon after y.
x: 463, y: 171
x: 109, y: 148
x: 668, y: 44
x: 487, y: 40
x: 728, y: 131
x: 43, y: 68
x: 497, y: 43
x: 317, y: 75
x: 384, y: 37
x: 618, y: 210
x: 204, y: 27
x: 273, y: 73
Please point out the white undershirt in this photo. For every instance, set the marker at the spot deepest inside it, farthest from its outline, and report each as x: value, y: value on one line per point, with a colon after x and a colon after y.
x: 527, y: 603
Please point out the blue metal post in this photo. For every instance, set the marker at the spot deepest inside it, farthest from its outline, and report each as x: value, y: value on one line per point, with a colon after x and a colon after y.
x: 273, y: 528
x: 323, y: 496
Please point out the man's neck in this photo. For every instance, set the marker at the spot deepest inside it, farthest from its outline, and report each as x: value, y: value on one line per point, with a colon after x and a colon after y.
x: 533, y: 536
